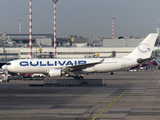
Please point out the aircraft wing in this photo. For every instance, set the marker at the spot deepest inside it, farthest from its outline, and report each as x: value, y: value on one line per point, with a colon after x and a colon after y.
x: 82, y: 66
x: 140, y: 60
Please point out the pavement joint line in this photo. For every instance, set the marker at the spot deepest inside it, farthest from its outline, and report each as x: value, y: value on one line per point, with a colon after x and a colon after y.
x: 134, y: 94
x: 99, y: 101
x: 109, y: 105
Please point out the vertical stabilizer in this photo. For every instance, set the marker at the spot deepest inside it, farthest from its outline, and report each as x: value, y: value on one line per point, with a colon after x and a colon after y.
x: 144, y: 49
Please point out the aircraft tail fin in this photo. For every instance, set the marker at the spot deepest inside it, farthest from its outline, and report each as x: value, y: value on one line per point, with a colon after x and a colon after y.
x: 144, y: 49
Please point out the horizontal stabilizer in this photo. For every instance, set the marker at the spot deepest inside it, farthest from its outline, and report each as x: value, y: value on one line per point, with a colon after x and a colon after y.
x: 140, y: 60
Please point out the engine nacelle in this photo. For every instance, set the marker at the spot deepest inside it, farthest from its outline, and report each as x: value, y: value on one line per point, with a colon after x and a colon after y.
x: 55, y: 72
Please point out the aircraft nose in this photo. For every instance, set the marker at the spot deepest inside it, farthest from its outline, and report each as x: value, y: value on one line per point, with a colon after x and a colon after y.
x: 4, y: 67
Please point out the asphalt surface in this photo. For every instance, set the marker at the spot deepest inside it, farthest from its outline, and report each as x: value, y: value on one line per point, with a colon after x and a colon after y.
x: 127, y: 96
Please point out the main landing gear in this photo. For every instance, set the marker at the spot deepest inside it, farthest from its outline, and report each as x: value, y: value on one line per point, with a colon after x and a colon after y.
x: 78, y: 77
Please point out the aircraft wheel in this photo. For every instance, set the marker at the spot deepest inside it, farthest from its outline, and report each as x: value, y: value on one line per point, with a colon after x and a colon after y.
x: 78, y: 77
x: 112, y: 73
x: 75, y: 77
x: 81, y: 77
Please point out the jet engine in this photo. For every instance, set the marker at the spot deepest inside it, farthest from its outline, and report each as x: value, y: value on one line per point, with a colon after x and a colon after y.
x: 55, y: 72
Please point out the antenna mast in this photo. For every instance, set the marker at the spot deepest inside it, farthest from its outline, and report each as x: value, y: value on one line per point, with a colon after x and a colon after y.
x: 55, y: 32
x: 20, y: 24
x: 113, y: 19
x: 30, y: 29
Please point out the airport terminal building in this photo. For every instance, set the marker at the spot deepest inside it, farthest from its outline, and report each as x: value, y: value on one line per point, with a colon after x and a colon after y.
x: 17, y: 47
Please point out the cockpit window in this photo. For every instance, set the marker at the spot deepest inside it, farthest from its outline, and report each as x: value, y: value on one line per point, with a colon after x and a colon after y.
x: 8, y: 63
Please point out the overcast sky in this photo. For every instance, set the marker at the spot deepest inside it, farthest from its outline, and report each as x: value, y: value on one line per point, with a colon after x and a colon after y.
x: 83, y: 17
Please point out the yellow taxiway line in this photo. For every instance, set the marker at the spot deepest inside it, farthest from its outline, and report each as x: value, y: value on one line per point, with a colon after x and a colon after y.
x: 109, y: 105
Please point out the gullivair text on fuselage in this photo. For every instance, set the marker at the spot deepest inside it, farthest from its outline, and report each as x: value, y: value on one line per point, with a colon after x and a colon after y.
x: 51, y: 63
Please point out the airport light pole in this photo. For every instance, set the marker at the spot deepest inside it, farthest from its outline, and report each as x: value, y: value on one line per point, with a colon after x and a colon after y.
x: 30, y: 29
x: 20, y: 24
x: 55, y: 32
x: 113, y: 19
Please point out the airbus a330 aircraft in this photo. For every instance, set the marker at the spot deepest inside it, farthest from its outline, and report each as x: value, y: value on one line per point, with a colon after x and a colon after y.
x: 77, y: 67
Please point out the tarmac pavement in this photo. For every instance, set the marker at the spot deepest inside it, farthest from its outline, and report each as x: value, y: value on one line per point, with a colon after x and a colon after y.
x: 127, y: 96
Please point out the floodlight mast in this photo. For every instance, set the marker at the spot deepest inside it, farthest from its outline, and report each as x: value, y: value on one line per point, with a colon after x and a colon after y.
x: 113, y: 19
x: 20, y: 24
x: 30, y: 29
x: 55, y: 32
x: 55, y: 1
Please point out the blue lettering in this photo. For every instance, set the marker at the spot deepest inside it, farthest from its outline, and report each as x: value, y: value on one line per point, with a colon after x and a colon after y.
x: 42, y: 64
x: 61, y: 64
x: 55, y: 63
x: 24, y: 63
x: 69, y: 63
x: 32, y: 64
x: 49, y: 64
x: 81, y: 62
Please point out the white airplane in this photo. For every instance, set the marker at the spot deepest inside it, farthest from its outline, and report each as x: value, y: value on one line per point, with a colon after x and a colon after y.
x: 77, y: 67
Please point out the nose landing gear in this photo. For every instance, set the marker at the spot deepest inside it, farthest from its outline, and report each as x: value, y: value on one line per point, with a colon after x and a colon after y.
x: 112, y: 73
